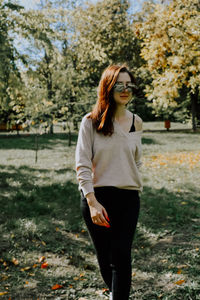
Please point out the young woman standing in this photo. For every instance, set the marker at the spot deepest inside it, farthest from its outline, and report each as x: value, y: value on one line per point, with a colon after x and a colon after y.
x: 108, y: 156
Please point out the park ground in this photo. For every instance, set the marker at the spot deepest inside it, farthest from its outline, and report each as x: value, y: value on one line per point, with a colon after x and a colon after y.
x: 45, y: 251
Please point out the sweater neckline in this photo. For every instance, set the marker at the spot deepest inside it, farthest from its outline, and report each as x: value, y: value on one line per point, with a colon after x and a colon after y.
x: 124, y: 132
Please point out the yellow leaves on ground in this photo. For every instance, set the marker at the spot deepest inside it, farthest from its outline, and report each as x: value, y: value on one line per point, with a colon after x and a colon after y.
x: 15, y: 261
x: 180, y: 282
x: 25, y: 269
x: 3, y: 293
x: 186, y: 159
x: 80, y: 277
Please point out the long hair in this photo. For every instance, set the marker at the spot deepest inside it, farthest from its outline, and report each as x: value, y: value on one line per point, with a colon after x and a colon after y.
x: 104, y: 109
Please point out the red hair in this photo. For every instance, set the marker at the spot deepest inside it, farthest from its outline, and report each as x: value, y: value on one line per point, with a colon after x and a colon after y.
x: 103, y: 111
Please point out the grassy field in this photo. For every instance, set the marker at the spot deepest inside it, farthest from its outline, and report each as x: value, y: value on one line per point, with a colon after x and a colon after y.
x: 45, y: 252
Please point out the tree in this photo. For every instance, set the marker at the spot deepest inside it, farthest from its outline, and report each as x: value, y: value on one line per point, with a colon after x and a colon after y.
x: 102, y: 36
x: 170, y: 47
x: 10, y: 80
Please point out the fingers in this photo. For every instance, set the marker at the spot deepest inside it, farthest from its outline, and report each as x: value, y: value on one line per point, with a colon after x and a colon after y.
x: 101, y: 220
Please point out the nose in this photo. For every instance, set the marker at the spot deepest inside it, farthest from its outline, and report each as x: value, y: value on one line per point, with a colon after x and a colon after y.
x: 125, y: 86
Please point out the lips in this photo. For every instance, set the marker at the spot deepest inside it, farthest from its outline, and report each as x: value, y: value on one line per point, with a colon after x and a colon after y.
x: 124, y: 96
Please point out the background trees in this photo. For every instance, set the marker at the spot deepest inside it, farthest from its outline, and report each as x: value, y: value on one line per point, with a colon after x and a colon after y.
x: 171, y: 49
x: 69, y: 43
x: 11, y: 102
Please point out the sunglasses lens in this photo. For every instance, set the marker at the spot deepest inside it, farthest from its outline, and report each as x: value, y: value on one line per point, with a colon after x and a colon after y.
x: 121, y: 87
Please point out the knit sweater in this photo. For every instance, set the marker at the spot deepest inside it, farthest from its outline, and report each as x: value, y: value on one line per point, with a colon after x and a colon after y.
x: 107, y: 160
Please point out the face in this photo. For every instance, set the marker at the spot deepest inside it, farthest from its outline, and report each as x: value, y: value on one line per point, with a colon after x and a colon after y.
x: 123, y: 92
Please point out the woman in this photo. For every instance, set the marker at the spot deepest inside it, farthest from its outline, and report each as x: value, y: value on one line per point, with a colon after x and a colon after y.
x: 107, y: 161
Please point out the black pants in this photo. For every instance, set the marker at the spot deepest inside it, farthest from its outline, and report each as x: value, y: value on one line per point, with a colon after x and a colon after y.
x: 113, y: 245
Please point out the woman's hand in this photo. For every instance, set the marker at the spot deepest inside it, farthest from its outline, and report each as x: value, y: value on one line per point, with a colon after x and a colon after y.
x: 98, y: 213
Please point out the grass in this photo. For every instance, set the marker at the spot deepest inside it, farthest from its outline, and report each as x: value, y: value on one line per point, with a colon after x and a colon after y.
x: 40, y: 221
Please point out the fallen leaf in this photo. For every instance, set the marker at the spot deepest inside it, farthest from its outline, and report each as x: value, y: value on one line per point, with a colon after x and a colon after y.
x: 82, y: 274
x: 57, y: 286
x: 43, y: 243
x: 4, y: 277
x: 105, y: 290
x: 70, y: 286
x: 3, y: 293
x: 197, y: 249
x: 44, y: 265
x: 76, y: 278
x: 34, y: 266
x: 180, y: 282
x: 25, y: 269
x: 15, y: 261
x: 182, y: 266
x: 41, y: 259
x: 179, y: 271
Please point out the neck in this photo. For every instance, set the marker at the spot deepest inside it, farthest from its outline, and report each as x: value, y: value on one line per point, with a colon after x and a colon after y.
x: 120, y: 111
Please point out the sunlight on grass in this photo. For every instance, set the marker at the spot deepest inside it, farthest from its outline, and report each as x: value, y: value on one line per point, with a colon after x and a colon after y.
x: 188, y: 160
x: 40, y: 216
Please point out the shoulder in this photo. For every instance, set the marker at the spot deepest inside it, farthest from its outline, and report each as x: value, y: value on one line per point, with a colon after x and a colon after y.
x: 86, y: 119
x: 86, y: 122
x: 138, y: 123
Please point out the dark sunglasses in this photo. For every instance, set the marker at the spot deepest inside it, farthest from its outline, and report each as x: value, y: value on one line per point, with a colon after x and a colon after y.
x: 120, y: 87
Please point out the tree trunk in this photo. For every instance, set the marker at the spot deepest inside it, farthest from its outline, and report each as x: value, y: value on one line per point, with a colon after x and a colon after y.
x: 194, y: 101
x: 36, y: 147
x: 69, y: 135
x: 51, y: 128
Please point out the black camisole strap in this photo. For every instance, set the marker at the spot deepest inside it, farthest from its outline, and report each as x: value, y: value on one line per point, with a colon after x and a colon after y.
x: 133, y: 126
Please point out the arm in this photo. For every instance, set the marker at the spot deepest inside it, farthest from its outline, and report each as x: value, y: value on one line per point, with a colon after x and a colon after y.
x: 84, y: 172
x: 83, y: 156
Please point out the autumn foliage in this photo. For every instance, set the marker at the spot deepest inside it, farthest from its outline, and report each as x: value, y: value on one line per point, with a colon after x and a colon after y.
x: 171, y: 49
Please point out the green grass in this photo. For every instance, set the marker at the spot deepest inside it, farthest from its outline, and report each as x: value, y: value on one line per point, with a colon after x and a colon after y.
x: 40, y: 216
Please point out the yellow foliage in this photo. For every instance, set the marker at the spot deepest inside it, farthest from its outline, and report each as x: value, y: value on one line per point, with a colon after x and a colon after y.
x: 170, y: 46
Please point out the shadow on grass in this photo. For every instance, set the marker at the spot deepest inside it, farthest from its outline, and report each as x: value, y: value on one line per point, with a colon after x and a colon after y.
x: 46, y: 219
x: 36, y: 220
x: 27, y: 142
x: 166, y: 239
x: 34, y: 212
x: 150, y: 141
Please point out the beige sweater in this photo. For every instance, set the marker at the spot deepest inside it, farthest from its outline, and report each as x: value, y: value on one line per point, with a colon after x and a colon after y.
x: 107, y: 160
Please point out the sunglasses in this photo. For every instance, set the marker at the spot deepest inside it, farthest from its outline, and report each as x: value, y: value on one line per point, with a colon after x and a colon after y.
x: 120, y: 87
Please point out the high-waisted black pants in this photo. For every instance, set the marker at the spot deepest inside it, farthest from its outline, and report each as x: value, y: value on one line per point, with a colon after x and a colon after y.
x: 113, y: 245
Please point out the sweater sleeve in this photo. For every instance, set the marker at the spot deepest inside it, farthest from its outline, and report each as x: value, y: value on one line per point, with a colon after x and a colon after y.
x: 83, y: 156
